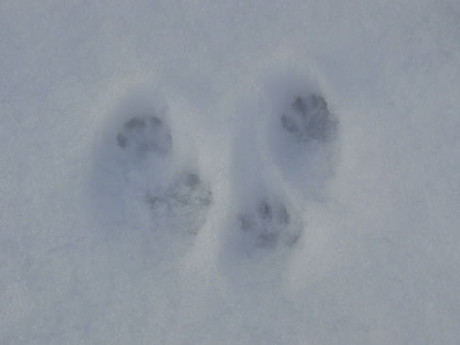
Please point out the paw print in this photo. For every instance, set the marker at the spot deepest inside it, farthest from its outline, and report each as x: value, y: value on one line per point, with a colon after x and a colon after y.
x: 269, y: 223
x: 308, y: 118
x: 145, y: 134
x: 188, y: 191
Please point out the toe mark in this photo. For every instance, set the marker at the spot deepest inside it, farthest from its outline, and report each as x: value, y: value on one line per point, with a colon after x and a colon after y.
x: 308, y: 118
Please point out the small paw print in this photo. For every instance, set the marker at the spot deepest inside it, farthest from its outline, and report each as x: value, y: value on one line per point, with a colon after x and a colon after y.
x: 144, y: 134
x: 308, y: 118
x: 269, y: 223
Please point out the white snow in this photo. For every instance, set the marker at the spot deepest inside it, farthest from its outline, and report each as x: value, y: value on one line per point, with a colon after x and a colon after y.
x: 238, y: 221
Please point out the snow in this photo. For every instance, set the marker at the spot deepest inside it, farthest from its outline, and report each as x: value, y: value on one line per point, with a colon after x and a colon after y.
x: 227, y: 214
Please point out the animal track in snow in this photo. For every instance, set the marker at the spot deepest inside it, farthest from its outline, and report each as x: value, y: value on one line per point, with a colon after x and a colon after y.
x: 179, y: 200
x: 143, y: 134
x: 269, y: 223
x: 184, y: 202
x: 277, y: 166
x: 187, y: 191
x: 303, y: 140
x: 295, y: 156
x: 138, y: 179
x: 308, y: 118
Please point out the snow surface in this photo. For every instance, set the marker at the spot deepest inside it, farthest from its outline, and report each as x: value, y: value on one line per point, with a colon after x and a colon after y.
x: 162, y: 183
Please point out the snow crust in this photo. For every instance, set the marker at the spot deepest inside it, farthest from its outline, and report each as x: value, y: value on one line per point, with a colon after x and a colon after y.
x: 230, y: 172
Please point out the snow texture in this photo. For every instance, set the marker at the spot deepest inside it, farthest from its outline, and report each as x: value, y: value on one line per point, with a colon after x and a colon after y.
x: 195, y: 172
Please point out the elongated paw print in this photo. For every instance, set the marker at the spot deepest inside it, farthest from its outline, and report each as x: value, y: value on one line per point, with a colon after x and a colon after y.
x: 140, y: 181
x: 184, y: 200
x: 308, y: 118
x: 178, y: 201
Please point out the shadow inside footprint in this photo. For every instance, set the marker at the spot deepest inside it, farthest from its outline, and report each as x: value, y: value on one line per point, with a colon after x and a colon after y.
x: 172, y: 199
x: 308, y: 118
x: 269, y: 224
x: 143, y: 134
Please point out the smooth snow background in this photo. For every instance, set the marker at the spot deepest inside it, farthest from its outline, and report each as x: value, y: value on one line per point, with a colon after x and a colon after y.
x: 379, y: 258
